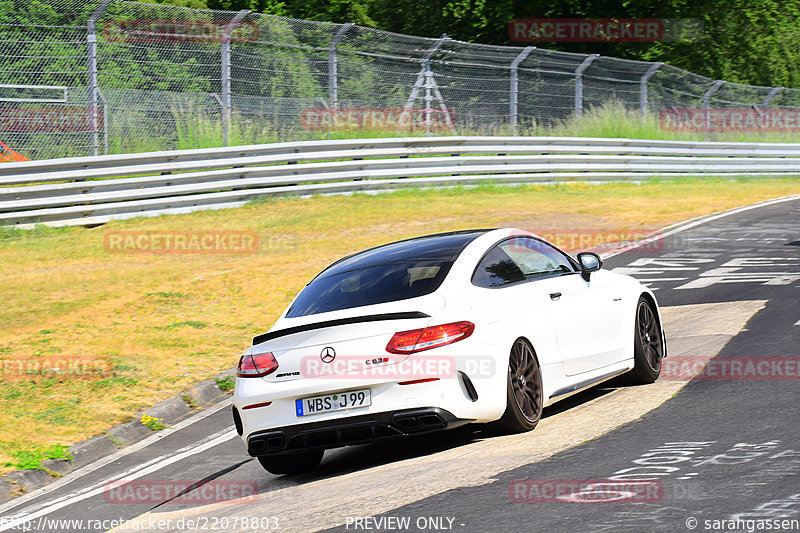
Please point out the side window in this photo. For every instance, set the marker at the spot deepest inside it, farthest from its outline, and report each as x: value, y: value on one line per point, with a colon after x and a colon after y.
x: 496, y: 269
x: 535, y: 258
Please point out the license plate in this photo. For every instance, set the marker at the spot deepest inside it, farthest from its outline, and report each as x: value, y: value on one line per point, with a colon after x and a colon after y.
x: 333, y: 402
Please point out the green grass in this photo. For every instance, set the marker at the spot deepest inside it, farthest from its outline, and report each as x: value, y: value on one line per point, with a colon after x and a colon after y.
x: 166, y: 294
x: 608, y: 121
x: 184, y: 130
x: 186, y: 323
x: 31, y: 459
x: 113, y: 382
x: 226, y: 384
x: 614, y: 120
x: 153, y: 423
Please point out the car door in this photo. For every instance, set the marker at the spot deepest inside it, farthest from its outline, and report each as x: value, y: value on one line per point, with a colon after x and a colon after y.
x: 585, y: 315
x: 508, y: 304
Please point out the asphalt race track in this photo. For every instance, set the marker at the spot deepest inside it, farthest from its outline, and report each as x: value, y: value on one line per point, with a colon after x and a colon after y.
x: 722, y: 447
x: 731, y: 446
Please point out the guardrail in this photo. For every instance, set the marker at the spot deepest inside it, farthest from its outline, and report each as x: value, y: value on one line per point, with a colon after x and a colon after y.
x: 94, y: 190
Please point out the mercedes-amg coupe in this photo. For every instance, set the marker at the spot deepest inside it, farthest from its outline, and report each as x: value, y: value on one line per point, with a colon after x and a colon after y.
x: 431, y: 333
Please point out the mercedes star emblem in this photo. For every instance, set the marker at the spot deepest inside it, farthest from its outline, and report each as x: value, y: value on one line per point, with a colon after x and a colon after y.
x: 328, y: 354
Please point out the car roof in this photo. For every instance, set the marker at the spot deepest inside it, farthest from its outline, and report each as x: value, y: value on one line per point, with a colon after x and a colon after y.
x: 438, y: 246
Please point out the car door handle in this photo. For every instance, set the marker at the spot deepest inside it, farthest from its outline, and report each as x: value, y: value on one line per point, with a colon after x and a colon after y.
x: 555, y: 295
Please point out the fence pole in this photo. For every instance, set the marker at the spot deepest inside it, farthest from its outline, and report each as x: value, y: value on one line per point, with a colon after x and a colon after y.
x: 226, y: 72
x: 643, y: 87
x: 333, y: 65
x: 513, y: 95
x: 105, y: 121
x: 707, y: 100
x: 91, y: 49
x: 579, y: 82
x: 428, y: 98
x: 772, y: 94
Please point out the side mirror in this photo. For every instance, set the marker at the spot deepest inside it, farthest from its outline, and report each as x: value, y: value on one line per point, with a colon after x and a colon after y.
x: 589, y: 262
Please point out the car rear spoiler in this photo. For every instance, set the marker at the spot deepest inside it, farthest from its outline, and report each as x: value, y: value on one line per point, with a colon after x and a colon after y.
x: 258, y: 339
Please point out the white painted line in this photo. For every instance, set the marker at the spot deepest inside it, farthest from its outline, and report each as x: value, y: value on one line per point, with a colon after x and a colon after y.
x: 653, y: 280
x: 683, y: 226
x: 797, y: 323
x: 129, y: 475
x: 79, y: 473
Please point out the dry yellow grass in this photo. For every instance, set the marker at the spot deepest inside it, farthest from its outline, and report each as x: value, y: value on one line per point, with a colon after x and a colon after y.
x: 164, y: 322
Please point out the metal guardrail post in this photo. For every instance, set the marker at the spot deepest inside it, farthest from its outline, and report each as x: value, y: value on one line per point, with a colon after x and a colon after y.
x: 226, y: 72
x: 707, y: 100
x: 579, y: 82
x: 333, y: 65
x: 513, y: 95
x: 643, y: 87
x: 772, y: 94
x: 91, y: 50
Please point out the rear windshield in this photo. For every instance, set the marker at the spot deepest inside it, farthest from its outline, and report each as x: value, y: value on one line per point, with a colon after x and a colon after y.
x: 368, y: 286
x: 388, y: 273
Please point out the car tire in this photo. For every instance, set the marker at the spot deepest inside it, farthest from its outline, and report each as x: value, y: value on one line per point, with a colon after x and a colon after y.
x: 294, y: 463
x: 524, y: 399
x: 648, y: 345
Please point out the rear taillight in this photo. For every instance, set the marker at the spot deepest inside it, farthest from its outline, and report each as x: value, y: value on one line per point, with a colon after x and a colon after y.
x: 419, y: 340
x: 256, y: 365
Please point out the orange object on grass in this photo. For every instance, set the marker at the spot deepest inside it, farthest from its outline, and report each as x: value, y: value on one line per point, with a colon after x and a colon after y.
x: 7, y: 154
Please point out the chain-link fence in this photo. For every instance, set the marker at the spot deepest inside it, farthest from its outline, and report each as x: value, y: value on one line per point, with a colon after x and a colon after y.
x: 111, y: 76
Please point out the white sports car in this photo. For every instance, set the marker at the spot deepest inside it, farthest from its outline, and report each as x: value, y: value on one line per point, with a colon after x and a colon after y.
x: 435, y: 332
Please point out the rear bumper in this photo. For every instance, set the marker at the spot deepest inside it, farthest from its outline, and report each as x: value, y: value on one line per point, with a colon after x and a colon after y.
x: 351, y: 430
